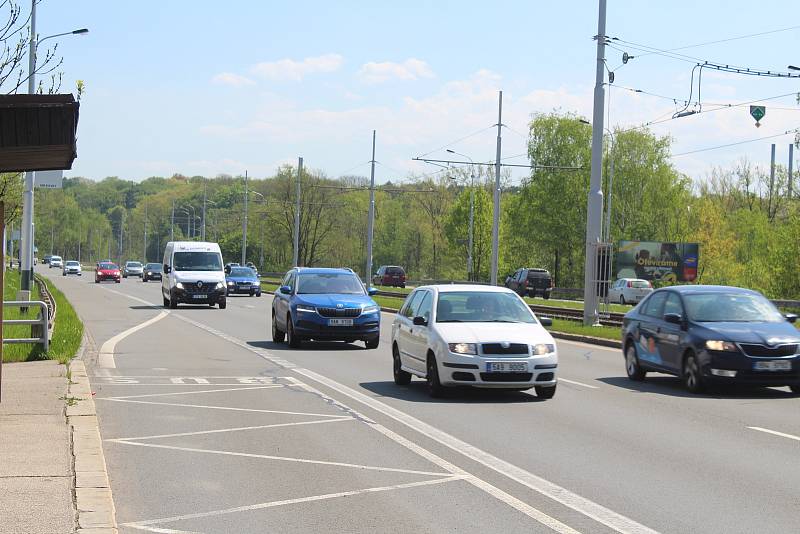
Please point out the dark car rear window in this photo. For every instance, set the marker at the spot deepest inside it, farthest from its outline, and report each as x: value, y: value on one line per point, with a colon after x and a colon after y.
x: 395, y: 270
x: 538, y: 274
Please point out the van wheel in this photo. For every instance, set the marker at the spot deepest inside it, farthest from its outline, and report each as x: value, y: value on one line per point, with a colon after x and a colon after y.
x: 223, y: 304
x: 277, y: 334
x: 173, y: 304
x: 401, y: 378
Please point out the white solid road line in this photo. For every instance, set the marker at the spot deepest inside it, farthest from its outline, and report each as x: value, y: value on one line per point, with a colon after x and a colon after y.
x: 268, y: 386
x: 115, y: 399
x: 142, y: 525
x: 588, y: 508
x: 576, y: 383
x: 106, y: 356
x: 774, y: 432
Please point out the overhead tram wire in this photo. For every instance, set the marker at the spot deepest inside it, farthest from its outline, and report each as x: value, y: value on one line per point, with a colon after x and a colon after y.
x: 787, y: 132
x: 458, y: 140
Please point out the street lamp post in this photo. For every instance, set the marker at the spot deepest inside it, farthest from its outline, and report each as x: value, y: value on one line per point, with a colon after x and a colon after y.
x: 26, y: 252
x: 470, y: 274
x: 192, y: 226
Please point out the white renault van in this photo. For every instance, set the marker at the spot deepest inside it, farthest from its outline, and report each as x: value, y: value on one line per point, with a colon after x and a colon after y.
x: 193, y: 274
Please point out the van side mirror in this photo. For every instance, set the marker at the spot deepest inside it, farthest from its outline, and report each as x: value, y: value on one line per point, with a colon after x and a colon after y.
x: 167, y: 269
x: 286, y: 290
x: 546, y: 321
x: 420, y: 321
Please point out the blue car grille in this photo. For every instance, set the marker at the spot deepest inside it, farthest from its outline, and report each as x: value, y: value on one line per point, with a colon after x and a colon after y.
x: 339, y: 312
x: 763, y: 351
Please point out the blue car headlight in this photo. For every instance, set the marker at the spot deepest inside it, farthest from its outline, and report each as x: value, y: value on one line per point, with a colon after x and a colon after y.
x: 302, y: 308
x: 371, y: 309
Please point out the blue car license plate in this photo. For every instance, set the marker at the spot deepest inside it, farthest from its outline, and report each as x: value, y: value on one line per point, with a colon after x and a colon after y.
x: 773, y: 365
x: 340, y: 322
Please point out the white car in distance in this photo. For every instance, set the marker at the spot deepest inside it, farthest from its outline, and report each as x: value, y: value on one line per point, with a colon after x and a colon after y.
x: 629, y: 290
x: 71, y: 267
x: 56, y: 261
x: 472, y: 335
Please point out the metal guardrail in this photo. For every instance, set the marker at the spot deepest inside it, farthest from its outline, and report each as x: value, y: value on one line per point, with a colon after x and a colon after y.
x: 41, y: 320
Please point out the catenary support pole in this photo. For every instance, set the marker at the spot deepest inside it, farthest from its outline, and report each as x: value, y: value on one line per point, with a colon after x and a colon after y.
x: 203, y: 223
x: 594, y: 211
x: 26, y: 249
x: 371, y: 219
x: 790, y: 175
x: 296, y: 259
x: 244, y: 223
x: 771, y: 180
x: 496, y: 220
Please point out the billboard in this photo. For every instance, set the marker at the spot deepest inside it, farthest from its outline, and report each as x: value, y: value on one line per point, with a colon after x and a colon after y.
x: 654, y: 260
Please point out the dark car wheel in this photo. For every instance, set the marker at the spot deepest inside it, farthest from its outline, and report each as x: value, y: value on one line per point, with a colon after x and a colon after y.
x: 401, y: 378
x: 372, y: 343
x: 292, y: 339
x: 546, y: 295
x: 258, y: 294
x: 278, y: 335
x: 632, y: 367
x: 166, y: 302
x: 173, y: 303
x: 692, y: 377
x: 435, y: 388
x: 545, y: 392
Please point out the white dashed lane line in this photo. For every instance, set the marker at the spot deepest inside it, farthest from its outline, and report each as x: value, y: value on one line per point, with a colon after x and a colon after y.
x: 775, y: 433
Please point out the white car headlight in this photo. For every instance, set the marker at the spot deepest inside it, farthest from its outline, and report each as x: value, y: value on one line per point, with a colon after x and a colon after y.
x: 370, y: 309
x: 220, y: 285
x: 463, y: 348
x: 726, y: 346
x: 540, y: 349
x: 306, y: 309
x: 179, y: 285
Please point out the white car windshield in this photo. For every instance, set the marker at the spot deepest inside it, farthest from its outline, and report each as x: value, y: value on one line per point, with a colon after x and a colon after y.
x: 72, y: 264
x: 481, y: 307
x: 134, y: 264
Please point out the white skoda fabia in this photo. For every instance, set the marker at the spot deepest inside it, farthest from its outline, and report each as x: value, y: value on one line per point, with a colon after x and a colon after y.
x: 472, y: 335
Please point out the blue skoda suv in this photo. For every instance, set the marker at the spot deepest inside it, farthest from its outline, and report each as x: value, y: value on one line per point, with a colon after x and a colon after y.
x: 324, y: 305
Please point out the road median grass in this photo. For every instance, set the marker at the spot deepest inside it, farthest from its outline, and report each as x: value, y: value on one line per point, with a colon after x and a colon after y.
x: 67, y: 332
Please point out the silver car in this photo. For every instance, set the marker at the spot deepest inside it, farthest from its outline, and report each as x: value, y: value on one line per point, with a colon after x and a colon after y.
x: 132, y: 268
x: 629, y: 290
x: 71, y: 267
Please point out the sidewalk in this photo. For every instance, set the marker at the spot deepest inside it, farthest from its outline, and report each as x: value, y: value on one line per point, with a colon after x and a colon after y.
x: 53, y: 477
x: 36, y: 478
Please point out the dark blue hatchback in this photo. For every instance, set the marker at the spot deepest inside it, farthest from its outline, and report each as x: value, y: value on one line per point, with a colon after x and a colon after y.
x: 324, y: 305
x: 709, y: 334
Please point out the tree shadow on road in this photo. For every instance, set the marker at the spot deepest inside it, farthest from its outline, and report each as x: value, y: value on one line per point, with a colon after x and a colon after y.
x: 673, y: 387
x: 417, y: 392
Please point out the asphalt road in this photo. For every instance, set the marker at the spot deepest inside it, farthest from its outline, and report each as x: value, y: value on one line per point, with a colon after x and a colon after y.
x: 210, y: 427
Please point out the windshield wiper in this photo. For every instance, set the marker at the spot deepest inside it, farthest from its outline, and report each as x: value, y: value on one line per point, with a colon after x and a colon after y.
x: 500, y: 321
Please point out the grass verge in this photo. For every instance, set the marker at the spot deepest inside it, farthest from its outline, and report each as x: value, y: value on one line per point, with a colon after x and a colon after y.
x: 67, y: 334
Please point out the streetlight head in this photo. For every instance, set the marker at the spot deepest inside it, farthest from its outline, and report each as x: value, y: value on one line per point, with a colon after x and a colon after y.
x: 584, y: 121
x: 451, y: 151
x: 82, y: 31
x: 792, y: 67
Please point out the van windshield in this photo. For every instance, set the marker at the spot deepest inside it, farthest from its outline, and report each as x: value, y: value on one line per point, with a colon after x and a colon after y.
x: 197, y: 261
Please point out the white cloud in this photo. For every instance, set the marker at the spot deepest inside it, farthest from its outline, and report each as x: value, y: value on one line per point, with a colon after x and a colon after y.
x: 410, y: 69
x: 234, y: 80
x: 289, y: 69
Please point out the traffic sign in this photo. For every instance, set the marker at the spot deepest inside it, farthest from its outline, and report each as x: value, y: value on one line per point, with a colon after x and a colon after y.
x: 758, y: 112
x: 49, y: 179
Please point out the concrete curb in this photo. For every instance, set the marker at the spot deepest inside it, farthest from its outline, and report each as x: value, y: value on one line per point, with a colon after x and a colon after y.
x: 93, y: 499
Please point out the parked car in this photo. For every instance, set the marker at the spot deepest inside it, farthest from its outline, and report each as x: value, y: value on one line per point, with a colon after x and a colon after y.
x: 231, y: 265
x: 106, y: 271
x: 390, y: 275
x: 46, y: 259
x: 193, y: 274
x: 252, y: 266
x: 243, y: 280
x: 471, y: 335
x: 132, y: 268
x: 151, y: 271
x: 629, y: 290
x: 72, y: 267
x: 324, y: 305
x: 531, y: 282
x: 706, y: 334
x: 56, y: 261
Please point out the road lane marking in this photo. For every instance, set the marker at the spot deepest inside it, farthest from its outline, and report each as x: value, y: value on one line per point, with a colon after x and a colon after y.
x: 106, y: 356
x: 280, y: 458
x: 774, y: 432
x: 588, y: 508
x: 114, y: 399
x: 223, y: 430
x: 142, y: 524
x: 195, y: 392
x: 577, y: 383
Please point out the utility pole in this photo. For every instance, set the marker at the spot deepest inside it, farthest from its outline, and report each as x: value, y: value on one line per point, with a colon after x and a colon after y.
x: 594, y: 211
x: 610, y: 186
x: 244, y: 223
x: 297, y: 215
x: 791, y: 162
x: 771, y: 180
x: 203, y: 227
x: 172, y: 224
x: 371, y: 220
x: 496, y: 221
x: 26, y: 251
x: 145, y: 234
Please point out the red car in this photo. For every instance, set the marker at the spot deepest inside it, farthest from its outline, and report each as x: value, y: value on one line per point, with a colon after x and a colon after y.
x: 390, y: 275
x: 107, y: 271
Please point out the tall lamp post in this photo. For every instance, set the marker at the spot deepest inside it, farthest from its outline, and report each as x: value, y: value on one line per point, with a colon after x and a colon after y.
x: 191, y: 228
x: 470, y: 274
x: 26, y: 251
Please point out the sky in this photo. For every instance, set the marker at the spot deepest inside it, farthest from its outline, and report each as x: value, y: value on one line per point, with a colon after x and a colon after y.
x: 204, y: 88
